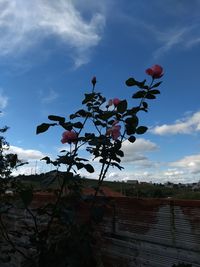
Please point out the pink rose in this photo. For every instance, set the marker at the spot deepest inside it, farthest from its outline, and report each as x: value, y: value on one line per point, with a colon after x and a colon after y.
x: 69, y: 137
x: 116, y: 101
x: 114, y: 131
x: 155, y: 72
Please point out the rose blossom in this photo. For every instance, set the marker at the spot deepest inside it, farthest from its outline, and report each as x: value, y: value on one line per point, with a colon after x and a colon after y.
x: 114, y: 131
x: 116, y: 101
x: 69, y: 137
x: 155, y: 71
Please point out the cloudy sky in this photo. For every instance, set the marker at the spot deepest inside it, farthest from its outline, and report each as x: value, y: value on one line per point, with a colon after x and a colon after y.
x: 49, y: 50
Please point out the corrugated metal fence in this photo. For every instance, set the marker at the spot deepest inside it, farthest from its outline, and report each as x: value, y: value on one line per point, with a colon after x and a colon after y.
x: 143, y: 232
x: 151, y: 233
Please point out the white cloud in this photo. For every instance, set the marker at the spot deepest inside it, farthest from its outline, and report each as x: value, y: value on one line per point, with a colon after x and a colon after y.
x: 49, y: 97
x: 3, y: 101
x: 135, y: 152
x: 25, y: 23
x: 190, y: 164
x: 187, y: 125
x: 169, y: 39
x: 26, y: 154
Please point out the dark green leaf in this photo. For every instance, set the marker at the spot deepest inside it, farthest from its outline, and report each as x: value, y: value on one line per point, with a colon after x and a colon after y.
x: 89, y: 168
x: 132, y: 121
x: 78, y: 125
x: 47, y: 160
x: 122, y: 106
x: 97, y: 123
x: 44, y: 127
x: 154, y: 92
x: 139, y: 94
x: 120, y: 153
x: 132, y: 139
x: 106, y: 115
x: 73, y: 116
x: 81, y: 112
x: 150, y: 96
x: 88, y: 97
x: 56, y: 118
x: 79, y: 165
x: 81, y: 159
x: 145, y: 105
x: 141, y: 130
x: 156, y: 85
x: 117, y: 165
x: 131, y: 82
x: 66, y: 125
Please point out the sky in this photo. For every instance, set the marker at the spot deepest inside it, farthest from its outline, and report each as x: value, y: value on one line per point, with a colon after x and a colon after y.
x: 50, y: 50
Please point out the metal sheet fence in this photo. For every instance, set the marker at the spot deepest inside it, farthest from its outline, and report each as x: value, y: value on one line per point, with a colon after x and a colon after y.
x: 152, y: 232
x: 142, y: 232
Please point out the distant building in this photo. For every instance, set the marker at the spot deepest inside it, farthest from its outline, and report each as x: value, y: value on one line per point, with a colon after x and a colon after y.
x: 196, y: 186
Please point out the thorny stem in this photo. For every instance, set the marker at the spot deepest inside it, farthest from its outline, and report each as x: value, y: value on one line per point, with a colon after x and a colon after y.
x: 63, y: 185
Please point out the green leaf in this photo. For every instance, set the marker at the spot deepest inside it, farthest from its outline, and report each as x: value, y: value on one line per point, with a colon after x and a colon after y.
x: 145, y: 105
x: 89, y: 168
x: 106, y: 115
x: 120, y: 153
x: 48, y: 161
x: 150, y: 96
x: 81, y: 112
x: 117, y: 165
x: 88, y: 98
x: 131, y: 82
x: 44, y: 127
x: 132, y: 139
x: 56, y: 118
x: 73, y: 116
x: 156, y: 84
x: 122, y: 106
x: 79, y: 165
x: 97, y: 123
x: 154, y: 92
x: 78, y: 125
x: 66, y: 125
x: 132, y: 121
x: 141, y: 129
x: 139, y: 94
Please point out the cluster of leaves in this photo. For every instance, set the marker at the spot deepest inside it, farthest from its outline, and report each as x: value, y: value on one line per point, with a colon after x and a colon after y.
x: 7, y: 161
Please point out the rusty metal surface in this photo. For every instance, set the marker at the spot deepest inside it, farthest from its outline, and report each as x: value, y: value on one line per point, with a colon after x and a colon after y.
x: 152, y: 232
x: 140, y: 232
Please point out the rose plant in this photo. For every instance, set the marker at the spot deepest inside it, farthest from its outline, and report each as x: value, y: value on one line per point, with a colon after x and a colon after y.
x: 111, y: 122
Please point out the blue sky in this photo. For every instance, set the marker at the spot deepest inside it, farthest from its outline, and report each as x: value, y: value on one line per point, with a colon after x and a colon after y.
x: 49, y: 50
